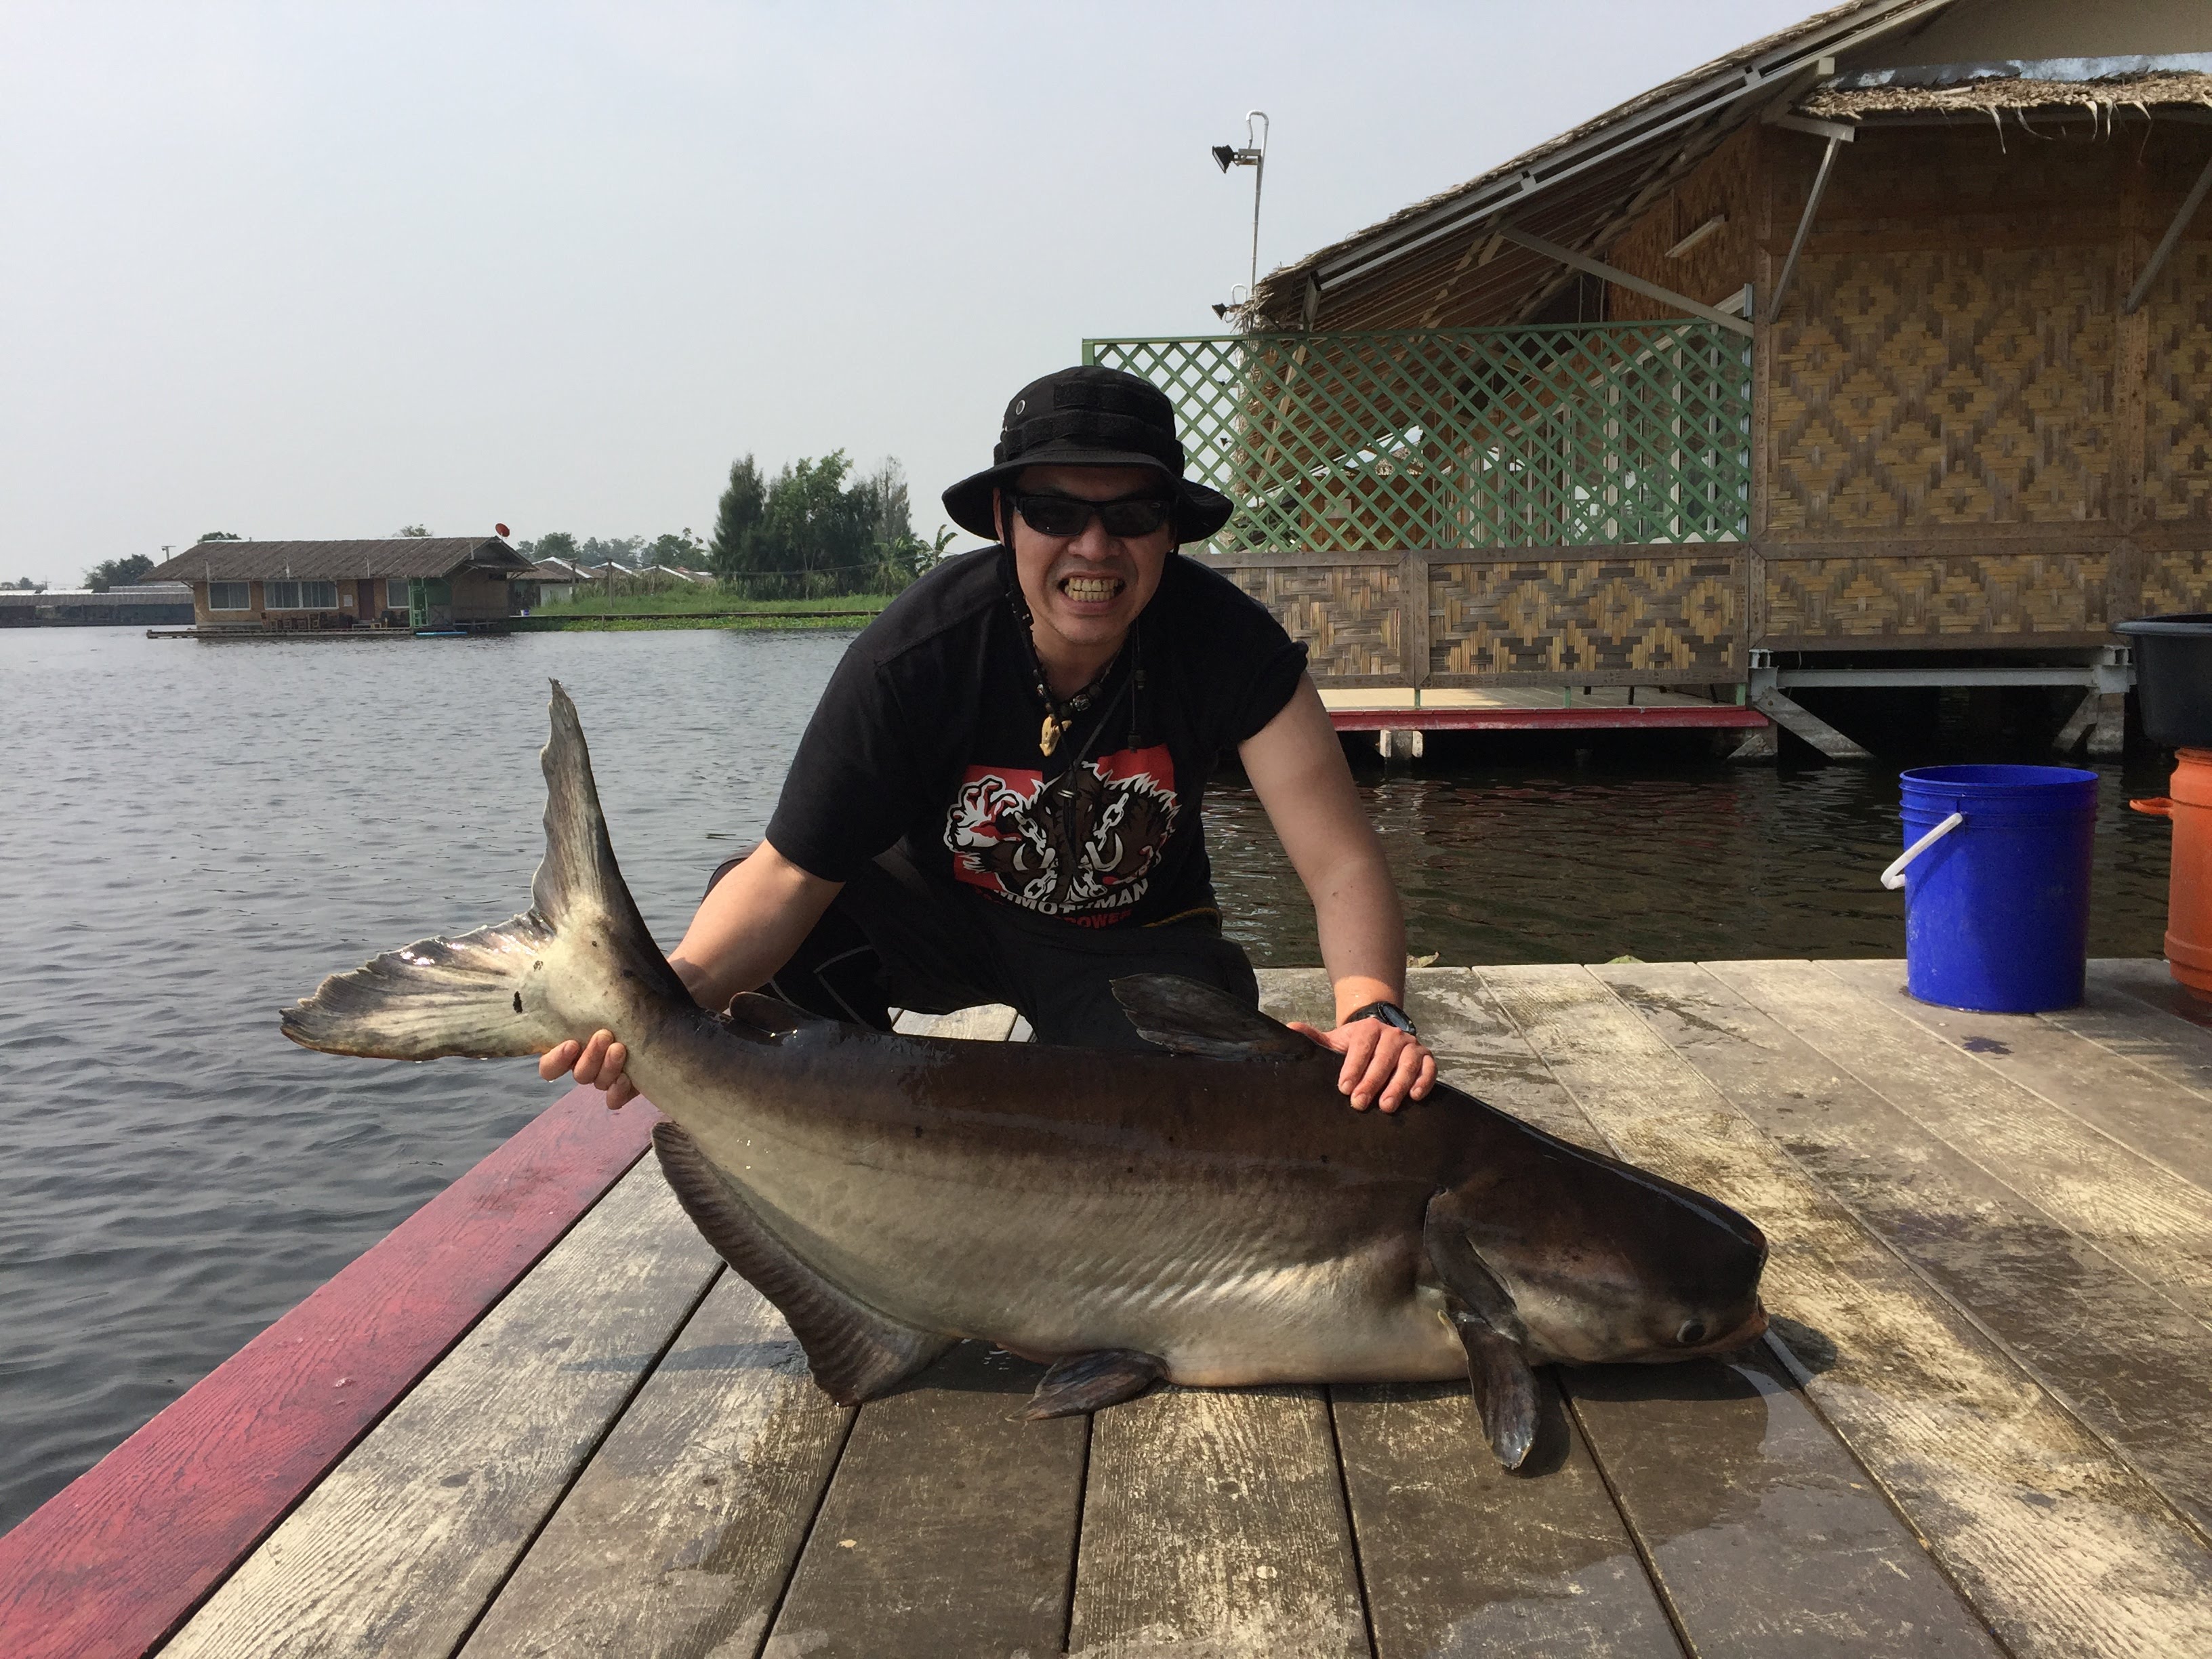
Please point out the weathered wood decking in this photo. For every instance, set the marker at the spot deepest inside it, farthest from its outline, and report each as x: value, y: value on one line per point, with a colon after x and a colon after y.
x: 1984, y: 1426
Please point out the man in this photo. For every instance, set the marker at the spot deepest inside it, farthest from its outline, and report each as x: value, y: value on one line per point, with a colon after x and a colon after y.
x: 997, y: 799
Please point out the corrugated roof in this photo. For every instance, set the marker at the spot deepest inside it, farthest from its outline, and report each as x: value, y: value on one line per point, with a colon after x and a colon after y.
x: 1580, y: 189
x: 388, y: 556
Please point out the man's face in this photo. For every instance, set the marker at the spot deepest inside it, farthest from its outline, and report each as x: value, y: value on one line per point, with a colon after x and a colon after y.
x: 1086, y: 589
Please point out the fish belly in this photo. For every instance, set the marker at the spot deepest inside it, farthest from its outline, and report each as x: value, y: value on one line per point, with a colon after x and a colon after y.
x: 1251, y: 1285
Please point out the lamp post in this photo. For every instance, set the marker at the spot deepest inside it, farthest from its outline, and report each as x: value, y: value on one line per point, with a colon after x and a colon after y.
x: 1255, y: 156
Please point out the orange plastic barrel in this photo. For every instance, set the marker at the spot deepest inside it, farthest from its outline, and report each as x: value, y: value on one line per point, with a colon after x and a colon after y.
x: 2189, y: 899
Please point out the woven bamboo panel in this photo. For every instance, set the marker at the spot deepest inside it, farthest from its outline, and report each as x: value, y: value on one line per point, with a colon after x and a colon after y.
x: 1940, y: 387
x: 2177, y: 411
x: 1348, y: 617
x: 2177, y: 582
x: 1935, y: 596
x: 1568, y: 615
x: 1719, y: 264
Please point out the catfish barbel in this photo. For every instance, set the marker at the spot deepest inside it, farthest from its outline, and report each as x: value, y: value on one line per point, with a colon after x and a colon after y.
x: 1214, y: 1215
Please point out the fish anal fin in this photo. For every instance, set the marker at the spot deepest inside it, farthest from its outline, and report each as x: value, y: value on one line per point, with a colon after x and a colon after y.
x: 1092, y: 1381
x: 1504, y: 1385
x: 1188, y: 1017
x: 856, y: 1352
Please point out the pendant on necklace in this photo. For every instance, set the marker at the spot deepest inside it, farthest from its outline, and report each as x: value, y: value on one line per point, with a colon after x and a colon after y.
x: 1049, y: 737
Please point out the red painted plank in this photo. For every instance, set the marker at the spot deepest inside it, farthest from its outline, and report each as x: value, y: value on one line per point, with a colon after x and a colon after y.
x: 111, y: 1565
x: 1722, y: 716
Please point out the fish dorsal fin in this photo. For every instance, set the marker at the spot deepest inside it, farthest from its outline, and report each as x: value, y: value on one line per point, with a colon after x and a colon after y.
x: 1187, y: 1018
x: 753, y: 1014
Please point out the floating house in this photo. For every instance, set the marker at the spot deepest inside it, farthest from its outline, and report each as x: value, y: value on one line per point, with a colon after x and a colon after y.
x: 1876, y: 353
x: 399, y: 582
x: 134, y: 604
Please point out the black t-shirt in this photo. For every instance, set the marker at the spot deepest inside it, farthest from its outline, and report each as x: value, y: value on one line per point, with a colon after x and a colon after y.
x: 929, y: 735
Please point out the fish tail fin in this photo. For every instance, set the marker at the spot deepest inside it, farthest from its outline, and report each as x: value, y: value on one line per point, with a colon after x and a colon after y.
x: 580, y: 957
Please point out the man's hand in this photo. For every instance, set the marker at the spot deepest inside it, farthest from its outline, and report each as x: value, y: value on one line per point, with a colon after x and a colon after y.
x: 1383, y: 1065
x: 599, y: 1064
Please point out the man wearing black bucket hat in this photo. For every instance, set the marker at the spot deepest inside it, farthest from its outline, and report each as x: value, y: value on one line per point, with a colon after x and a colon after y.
x: 998, y: 797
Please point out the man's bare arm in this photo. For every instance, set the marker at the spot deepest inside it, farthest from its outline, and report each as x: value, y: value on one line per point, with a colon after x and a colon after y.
x: 1298, y: 769
x: 743, y: 932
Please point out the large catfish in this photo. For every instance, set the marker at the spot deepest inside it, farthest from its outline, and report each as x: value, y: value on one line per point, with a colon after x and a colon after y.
x: 1213, y: 1214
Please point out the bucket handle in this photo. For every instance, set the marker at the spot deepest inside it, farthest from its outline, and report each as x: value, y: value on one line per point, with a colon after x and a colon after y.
x: 1894, y: 877
x: 2157, y: 806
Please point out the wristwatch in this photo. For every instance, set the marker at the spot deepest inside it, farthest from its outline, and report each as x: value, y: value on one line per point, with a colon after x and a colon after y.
x: 1388, y: 1012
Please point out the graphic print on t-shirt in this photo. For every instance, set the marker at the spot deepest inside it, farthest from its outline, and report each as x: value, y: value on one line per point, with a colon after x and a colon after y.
x: 1083, y: 846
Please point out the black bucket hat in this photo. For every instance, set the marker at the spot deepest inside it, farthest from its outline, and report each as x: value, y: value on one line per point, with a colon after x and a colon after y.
x: 1090, y: 416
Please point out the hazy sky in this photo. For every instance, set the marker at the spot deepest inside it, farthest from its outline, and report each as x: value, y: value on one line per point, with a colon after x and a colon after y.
x: 316, y: 269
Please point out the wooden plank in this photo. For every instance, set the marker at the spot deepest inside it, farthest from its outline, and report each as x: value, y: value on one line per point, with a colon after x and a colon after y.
x: 2129, y: 1095
x: 1787, y: 1494
x: 104, y: 1570
x: 1213, y: 1522
x: 2062, y: 1546
x: 1459, y: 1557
x: 949, y: 1527
x: 1766, y: 1535
x: 680, y: 1534
x: 399, y: 1551
x: 2127, y: 1361
x: 2136, y: 1010
x: 2138, y: 1213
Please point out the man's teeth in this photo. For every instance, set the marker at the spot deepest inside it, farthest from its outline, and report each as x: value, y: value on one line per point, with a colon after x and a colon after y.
x: 1088, y: 590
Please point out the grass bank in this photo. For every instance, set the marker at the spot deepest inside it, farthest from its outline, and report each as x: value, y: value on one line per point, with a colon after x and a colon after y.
x: 697, y: 608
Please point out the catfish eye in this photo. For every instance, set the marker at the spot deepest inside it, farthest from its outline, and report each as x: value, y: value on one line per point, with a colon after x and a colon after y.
x: 1691, y: 1333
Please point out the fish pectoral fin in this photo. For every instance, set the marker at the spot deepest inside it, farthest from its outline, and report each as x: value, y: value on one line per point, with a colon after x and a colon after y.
x: 1091, y: 1381
x: 1187, y: 1018
x: 1505, y: 1386
x: 856, y: 1352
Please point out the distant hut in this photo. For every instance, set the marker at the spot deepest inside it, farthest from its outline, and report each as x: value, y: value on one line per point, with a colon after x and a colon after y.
x: 399, y: 581
x: 1878, y: 351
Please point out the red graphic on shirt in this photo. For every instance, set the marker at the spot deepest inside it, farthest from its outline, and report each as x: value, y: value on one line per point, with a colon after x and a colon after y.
x: 1084, y: 846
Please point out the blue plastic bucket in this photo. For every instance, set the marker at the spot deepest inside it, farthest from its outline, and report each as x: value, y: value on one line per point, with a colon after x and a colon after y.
x: 1996, y: 906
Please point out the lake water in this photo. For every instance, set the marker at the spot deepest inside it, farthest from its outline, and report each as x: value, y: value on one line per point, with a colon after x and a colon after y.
x: 192, y: 836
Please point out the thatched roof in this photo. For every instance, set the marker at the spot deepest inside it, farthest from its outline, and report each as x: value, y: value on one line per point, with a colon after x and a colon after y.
x: 2095, y: 83
x: 1438, y: 263
x: 426, y: 557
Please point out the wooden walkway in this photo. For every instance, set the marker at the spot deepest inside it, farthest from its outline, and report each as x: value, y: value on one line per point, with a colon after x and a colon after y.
x: 1983, y: 1426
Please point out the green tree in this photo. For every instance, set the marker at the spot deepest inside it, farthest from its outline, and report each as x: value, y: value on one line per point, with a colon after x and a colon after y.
x: 737, y: 520
x: 681, y: 552
x: 117, y: 573
x: 411, y: 530
x: 815, y: 529
x: 555, y: 544
x: 221, y: 535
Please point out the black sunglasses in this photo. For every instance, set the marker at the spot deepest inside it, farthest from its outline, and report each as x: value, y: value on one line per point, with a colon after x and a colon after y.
x: 1070, y: 516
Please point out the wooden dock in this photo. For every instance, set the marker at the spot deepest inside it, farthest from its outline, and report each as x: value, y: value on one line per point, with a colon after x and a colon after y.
x: 1982, y: 1424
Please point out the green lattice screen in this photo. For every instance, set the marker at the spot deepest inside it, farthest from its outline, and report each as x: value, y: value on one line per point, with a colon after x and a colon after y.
x: 1541, y: 436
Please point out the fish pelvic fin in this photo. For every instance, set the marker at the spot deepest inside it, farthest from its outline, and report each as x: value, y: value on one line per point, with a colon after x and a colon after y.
x: 1092, y: 1381
x: 580, y: 957
x: 854, y: 1352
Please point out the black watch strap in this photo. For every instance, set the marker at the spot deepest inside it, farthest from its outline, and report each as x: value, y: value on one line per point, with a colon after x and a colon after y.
x: 1388, y: 1012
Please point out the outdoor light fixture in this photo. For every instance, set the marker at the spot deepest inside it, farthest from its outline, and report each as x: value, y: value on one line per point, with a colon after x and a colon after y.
x: 1253, y: 155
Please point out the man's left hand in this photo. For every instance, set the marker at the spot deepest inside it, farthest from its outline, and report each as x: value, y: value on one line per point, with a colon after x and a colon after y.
x: 1382, y: 1065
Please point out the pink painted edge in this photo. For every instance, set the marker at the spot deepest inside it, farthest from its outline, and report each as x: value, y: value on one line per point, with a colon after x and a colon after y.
x: 111, y: 1565
x: 1721, y: 716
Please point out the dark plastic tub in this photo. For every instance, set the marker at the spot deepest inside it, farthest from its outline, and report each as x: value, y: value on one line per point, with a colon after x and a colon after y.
x: 2173, y: 677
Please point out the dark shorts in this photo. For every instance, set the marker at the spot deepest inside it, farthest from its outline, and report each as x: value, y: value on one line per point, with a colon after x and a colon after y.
x: 894, y: 939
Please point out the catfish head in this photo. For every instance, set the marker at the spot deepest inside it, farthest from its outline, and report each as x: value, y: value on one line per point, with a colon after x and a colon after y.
x: 1595, y: 1262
